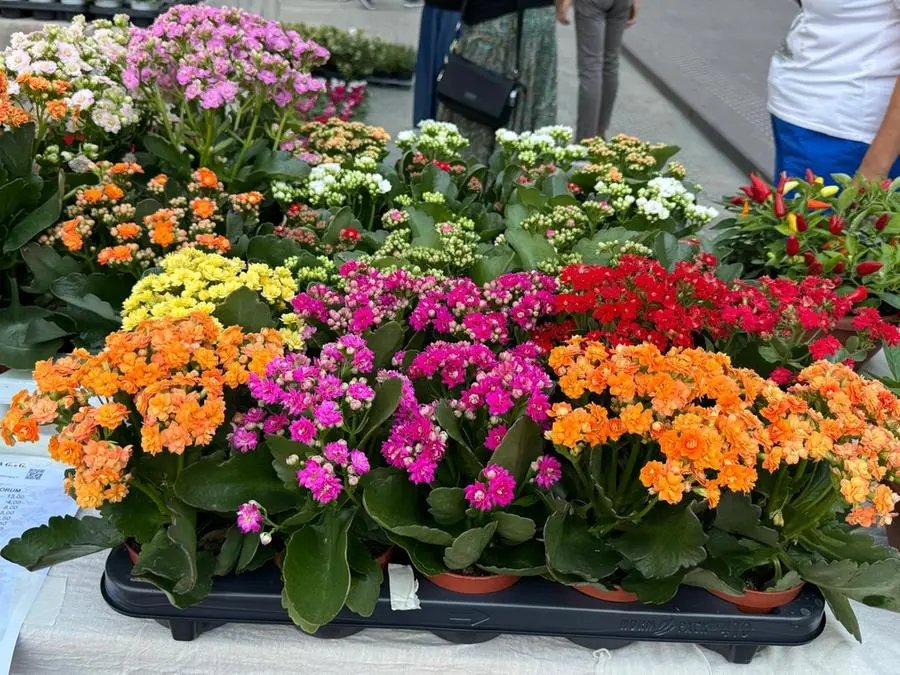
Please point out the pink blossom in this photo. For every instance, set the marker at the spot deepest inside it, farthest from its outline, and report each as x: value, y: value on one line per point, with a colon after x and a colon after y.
x: 477, y: 496
x: 303, y: 430
x: 320, y: 479
x: 359, y: 462
x: 547, y: 470
x: 249, y: 517
x: 337, y: 452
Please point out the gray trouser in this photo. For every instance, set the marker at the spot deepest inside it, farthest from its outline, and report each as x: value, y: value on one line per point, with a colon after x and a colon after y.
x: 599, y: 25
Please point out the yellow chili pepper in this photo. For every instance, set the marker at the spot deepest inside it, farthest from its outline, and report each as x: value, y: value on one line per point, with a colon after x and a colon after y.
x: 790, y: 185
x: 745, y: 210
x: 829, y: 191
x: 792, y: 222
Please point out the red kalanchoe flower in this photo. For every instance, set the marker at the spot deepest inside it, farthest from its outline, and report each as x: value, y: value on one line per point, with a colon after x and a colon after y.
x: 349, y: 234
x: 864, y: 269
x: 782, y: 376
x: 824, y: 347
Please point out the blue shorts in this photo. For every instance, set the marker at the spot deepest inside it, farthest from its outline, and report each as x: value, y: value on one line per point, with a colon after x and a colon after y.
x: 798, y: 149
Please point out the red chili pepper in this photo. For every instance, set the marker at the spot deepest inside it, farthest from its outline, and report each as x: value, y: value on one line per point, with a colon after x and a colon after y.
x: 809, y: 257
x: 793, y: 245
x: 737, y: 201
x: 810, y: 176
x: 782, y: 179
x: 857, y: 295
x: 839, y: 267
x: 882, y: 221
x: 864, y: 269
x: 758, y: 191
x: 779, y: 207
x: 814, y: 269
x: 802, y: 225
x: 836, y: 225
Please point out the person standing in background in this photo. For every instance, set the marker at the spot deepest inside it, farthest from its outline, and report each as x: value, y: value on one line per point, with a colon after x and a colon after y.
x: 488, y: 39
x: 834, y: 92
x: 437, y: 30
x: 599, y: 26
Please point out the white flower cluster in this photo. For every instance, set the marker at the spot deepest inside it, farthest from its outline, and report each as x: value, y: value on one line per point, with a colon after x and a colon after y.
x: 542, y: 146
x: 330, y: 185
x: 663, y: 196
x: 435, y: 140
x: 87, y: 56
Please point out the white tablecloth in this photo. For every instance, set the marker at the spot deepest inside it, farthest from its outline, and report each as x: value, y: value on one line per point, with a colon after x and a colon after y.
x: 71, y: 630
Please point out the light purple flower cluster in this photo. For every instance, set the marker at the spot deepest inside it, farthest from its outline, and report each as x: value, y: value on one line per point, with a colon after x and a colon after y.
x: 319, y: 473
x: 547, y: 471
x: 461, y: 308
x: 496, y: 491
x: 219, y: 55
x: 415, y: 442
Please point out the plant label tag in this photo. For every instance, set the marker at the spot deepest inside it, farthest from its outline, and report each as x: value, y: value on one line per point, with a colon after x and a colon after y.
x: 403, y: 586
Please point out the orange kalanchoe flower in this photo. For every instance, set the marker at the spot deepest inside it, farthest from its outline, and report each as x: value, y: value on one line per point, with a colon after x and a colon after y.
x: 159, y: 388
x: 716, y: 426
x: 206, y: 178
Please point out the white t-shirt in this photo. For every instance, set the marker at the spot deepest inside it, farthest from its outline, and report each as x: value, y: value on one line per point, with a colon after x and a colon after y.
x: 836, y: 70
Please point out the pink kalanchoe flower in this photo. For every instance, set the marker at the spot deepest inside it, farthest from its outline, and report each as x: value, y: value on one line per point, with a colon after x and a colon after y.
x: 275, y: 423
x: 303, y: 430
x: 328, y: 414
x: 244, y: 440
x: 781, y: 376
x: 337, y: 452
x: 495, y: 437
x: 249, y: 517
x: 477, y: 496
x: 501, y: 485
x: 547, y: 471
x: 320, y: 479
x: 359, y: 462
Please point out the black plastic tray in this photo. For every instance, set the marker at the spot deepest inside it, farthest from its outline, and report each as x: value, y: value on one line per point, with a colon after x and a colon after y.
x: 533, y: 606
x: 56, y: 11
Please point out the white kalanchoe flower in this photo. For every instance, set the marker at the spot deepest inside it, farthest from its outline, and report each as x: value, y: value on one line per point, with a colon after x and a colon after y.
x: 265, y: 538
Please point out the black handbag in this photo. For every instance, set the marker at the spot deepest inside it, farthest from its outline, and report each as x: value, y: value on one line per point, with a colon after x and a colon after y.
x: 477, y: 93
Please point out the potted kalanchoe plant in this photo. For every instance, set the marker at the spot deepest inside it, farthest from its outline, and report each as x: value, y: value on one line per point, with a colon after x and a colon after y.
x: 317, y: 421
x: 134, y: 422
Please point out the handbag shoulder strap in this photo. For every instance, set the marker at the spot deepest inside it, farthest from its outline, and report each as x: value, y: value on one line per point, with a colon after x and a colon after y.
x: 520, y: 21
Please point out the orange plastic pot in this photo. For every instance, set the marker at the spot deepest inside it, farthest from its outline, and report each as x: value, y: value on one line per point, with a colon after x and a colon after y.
x: 616, y: 595
x: 760, y: 602
x: 461, y: 583
x: 132, y: 553
x: 385, y: 557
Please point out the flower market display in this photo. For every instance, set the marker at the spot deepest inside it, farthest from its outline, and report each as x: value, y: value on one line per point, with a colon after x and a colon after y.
x: 264, y: 345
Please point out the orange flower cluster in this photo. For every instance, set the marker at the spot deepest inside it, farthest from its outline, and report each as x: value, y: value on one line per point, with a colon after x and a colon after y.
x: 160, y: 388
x: 716, y: 425
x: 11, y: 115
x: 47, y: 96
x: 103, y: 225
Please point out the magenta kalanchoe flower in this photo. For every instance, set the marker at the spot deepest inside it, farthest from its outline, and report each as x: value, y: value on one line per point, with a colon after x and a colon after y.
x: 249, y: 517
x: 243, y: 439
x: 547, y: 471
x: 477, y: 496
x: 318, y: 477
x: 337, y: 452
x: 497, y: 491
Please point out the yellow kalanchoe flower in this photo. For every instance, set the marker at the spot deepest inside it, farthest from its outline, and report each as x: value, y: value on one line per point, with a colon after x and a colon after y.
x: 194, y: 281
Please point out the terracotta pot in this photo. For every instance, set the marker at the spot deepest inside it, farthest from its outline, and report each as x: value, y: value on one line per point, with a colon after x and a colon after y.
x: 616, y: 595
x: 132, y: 553
x: 760, y: 602
x: 385, y: 557
x: 460, y: 583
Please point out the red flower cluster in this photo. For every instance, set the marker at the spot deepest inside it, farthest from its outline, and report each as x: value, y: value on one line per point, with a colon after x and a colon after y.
x: 638, y: 300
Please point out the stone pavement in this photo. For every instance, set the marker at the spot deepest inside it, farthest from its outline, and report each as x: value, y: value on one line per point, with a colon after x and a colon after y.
x: 711, y: 57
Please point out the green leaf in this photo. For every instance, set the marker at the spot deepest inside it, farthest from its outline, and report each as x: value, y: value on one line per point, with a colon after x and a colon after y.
x: 892, y: 354
x: 738, y: 515
x: 246, y: 309
x: 144, y: 208
x: 522, y: 444
x: 249, y: 549
x: 97, y: 293
x: 393, y: 502
x: 573, y: 550
x: 447, y: 505
x: 514, y: 529
x: 340, y: 221
x: 790, y: 580
x: 387, y: 398
x: 448, y: 421
x: 668, y: 250
x: 652, y: 591
x: 281, y: 448
x: 183, y: 535
x: 316, y: 571
x: 531, y: 248
x: 168, y: 154
x: 16, y: 350
x: 875, y: 584
x: 136, y: 517
x: 298, y: 519
x: 33, y: 223
x: 467, y: 548
x: 422, y: 228
x: 665, y: 541
x: 214, y: 484
x: 365, y: 581
x: 843, y: 611
x: 16, y: 154
x: 62, y: 538
x: 426, y: 558
x: 279, y: 165
x: 836, y: 541
x: 46, y: 266
x: 704, y: 578
x: 228, y: 554
x: 493, y: 265
x: 524, y: 560
x: 272, y: 249
x: 205, y: 565
x: 12, y: 199
x: 385, y: 342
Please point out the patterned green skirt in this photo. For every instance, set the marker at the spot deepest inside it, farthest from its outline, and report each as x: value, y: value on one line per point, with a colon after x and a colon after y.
x: 492, y: 44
